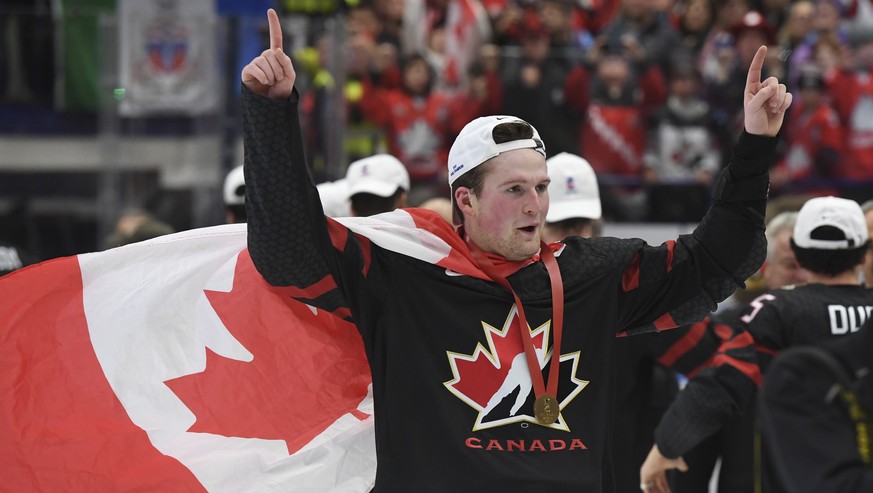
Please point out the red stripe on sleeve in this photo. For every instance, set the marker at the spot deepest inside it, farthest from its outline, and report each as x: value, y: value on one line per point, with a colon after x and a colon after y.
x: 631, y: 278
x: 671, y: 246
x: 323, y: 286
x: 683, y: 345
x: 741, y: 340
x: 339, y: 234
x: 750, y: 370
x: 365, y: 252
x: 764, y: 349
x: 665, y: 322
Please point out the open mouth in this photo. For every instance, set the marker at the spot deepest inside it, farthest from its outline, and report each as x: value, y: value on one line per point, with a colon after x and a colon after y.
x: 528, y: 229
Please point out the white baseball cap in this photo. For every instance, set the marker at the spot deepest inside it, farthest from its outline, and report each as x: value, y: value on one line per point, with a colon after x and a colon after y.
x: 475, y: 144
x: 335, y: 198
x: 573, y: 191
x: 235, y: 187
x: 380, y: 175
x: 843, y: 214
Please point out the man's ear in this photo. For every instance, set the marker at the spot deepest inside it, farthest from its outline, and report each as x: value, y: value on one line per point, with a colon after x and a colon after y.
x: 402, y: 201
x: 466, y: 200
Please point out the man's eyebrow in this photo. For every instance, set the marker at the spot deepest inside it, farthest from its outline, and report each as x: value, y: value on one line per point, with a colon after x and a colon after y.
x: 516, y: 179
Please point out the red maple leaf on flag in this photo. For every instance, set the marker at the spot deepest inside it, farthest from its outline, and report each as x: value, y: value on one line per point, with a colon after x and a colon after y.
x: 308, y: 369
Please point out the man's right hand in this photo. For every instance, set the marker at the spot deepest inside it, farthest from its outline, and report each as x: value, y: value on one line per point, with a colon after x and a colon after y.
x: 271, y: 74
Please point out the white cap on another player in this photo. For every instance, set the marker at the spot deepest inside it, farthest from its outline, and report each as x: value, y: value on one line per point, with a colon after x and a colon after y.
x: 843, y: 214
x: 335, y: 198
x: 573, y: 191
x: 380, y: 175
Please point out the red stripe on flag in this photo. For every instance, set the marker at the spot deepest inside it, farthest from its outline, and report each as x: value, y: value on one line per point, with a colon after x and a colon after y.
x: 459, y: 258
x: 61, y: 426
x: 631, y: 278
x: 683, y: 345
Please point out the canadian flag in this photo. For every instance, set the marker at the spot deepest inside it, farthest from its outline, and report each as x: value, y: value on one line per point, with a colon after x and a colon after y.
x: 170, y: 365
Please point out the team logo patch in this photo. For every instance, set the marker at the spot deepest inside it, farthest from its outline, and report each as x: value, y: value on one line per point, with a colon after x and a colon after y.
x: 495, y: 380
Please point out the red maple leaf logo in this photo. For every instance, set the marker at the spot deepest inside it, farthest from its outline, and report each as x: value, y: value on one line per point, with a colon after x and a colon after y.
x: 490, y: 375
x: 308, y: 369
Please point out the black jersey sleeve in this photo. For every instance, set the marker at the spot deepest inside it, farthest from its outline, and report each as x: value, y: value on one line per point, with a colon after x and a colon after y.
x: 681, y: 281
x: 720, y: 363
x: 291, y: 242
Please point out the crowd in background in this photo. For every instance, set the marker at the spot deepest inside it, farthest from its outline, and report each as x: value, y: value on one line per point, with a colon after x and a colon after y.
x: 649, y: 91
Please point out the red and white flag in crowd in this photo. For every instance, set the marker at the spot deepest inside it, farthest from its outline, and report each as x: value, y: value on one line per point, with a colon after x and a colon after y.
x: 467, y: 27
x: 170, y: 365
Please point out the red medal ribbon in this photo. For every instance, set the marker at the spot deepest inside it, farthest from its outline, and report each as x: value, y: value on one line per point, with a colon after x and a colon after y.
x: 557, y: 286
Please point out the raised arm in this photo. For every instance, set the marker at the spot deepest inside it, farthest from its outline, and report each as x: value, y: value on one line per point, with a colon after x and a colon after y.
x: 728, y: 246
x: 287, y: 230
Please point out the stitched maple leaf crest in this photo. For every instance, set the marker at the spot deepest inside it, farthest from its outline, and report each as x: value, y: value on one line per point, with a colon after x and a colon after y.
x: 282, y: 393
x: 496, y: 382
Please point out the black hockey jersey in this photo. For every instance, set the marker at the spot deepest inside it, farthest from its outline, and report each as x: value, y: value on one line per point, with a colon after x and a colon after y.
x: 452, y: 411
x: 795, y: 316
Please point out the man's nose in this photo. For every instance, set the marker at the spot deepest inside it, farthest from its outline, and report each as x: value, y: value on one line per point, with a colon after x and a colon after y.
x: 533, y: 202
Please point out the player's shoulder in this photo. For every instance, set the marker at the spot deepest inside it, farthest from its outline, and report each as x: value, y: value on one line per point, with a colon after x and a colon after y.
x: 603, y: 249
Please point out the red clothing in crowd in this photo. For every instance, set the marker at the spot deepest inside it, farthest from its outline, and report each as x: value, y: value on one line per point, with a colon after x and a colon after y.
x: 852, y: 95
x: 419, y: 129
x: 815, y: 141
x: 613, y: 134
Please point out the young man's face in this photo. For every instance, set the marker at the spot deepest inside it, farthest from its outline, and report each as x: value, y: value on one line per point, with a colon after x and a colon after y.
x: 508, y: 215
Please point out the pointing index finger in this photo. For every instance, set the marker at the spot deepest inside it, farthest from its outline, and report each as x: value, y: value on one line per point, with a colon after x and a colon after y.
x: 275, y: 29
x: 755, y: 68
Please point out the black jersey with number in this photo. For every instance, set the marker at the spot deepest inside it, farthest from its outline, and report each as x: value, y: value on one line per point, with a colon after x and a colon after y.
x: 794, y: 316
x: 453, y: 413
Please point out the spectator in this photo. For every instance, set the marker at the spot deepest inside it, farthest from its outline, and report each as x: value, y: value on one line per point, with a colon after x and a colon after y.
x: 682, y: 158
x: 613, y: 131
x: 640, y: 21
x: 827, y: 28
x: 794, y: 35
x: 725, y: 79
x: 696, y: 18
x: 417, y: 120
x: 532, y: 88
x: 851, y: 90
x: 814, y: 138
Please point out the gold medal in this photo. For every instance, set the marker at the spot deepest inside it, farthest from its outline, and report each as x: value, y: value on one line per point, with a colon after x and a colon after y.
x: 546, y: 409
